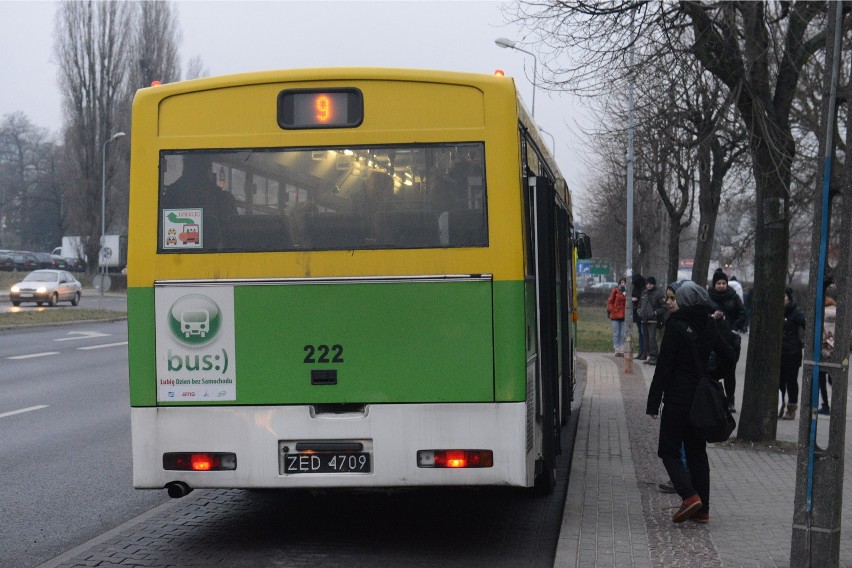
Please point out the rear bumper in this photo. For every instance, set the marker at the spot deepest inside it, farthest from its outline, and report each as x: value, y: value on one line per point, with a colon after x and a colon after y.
x: 395, y: 433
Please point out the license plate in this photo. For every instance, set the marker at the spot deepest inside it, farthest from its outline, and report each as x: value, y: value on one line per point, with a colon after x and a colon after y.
x: 25, y: 295
x: 327, y: 462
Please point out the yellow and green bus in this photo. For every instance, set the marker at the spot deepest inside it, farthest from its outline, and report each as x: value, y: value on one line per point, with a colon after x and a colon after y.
x: 346, y: 278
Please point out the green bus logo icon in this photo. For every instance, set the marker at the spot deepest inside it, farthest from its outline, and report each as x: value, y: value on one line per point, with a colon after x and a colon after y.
x: 195, y: 320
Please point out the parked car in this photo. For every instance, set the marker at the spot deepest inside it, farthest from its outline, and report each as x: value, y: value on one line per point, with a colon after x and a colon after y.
x: 47, y: 286
x: 7, y: 263
x: 74, y: 264
x: 24, y: 261
x: 59, y: 262
x: 603, y: 287
x: 47, y: 260
x: 598, y: 292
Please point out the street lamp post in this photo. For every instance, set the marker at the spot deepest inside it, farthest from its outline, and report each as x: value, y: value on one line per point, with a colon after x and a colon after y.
x: 507, y: 43
x: 552, y: 140
x: 103, y: 209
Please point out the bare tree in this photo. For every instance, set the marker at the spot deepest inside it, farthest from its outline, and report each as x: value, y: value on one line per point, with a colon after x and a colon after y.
x: 29, y: 190
x: 737, y: 43
x: 757, y: 50
x: 668, y: 164
x: 153, y: 56
x: 91, y: 49
x: 195, y: 68
x: 719, y: 145
x: 155, y: 47
x: 607, y: 204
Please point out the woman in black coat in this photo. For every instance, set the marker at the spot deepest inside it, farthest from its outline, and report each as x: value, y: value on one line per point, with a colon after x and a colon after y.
x: 791, y: 356
x: 689, y: 331
x: 730, y: 312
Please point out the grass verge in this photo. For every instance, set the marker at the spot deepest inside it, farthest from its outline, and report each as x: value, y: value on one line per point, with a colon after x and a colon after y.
x: 52, y: 315
x: 594, y: 329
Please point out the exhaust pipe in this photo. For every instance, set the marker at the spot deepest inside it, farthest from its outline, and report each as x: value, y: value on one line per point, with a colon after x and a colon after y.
x: 178, y: 489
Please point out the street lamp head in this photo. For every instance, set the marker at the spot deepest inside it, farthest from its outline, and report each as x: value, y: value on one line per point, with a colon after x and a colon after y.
x: 117, y: 135
x: 504, y: 42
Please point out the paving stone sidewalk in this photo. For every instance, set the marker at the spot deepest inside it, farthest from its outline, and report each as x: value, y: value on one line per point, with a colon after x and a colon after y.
x: 615, y: 516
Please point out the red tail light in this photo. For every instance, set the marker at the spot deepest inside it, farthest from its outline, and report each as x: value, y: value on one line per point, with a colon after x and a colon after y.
x: 455, y: 459
x: 200, y: 461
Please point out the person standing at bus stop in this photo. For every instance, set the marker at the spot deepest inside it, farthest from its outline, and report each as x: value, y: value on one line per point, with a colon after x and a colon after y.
x: 652, y: 312
x: 615, y: 308
x: 729, y: 312
x: 829, y: 319
x: 689, y: 337
x: 791, y: 356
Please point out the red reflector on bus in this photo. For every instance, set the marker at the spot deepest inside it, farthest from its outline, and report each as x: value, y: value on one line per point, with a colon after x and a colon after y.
x: 200, y: 461
x: 455, y: 458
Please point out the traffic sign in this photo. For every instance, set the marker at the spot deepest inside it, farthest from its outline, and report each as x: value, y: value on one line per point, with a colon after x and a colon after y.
x: 99, y: 278
x: 594, y: 267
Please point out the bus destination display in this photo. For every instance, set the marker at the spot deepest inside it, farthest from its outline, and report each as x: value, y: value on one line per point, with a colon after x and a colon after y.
x: 336, y: 108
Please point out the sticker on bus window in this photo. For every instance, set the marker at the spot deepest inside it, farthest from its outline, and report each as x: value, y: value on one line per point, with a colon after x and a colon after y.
x: 183, y: 228
x: 196, y: 359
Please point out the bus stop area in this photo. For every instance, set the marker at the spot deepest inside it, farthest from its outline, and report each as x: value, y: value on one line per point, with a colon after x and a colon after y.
x: 616, y: 515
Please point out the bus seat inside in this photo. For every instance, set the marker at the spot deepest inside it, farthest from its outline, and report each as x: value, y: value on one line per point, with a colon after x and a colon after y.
x: 407, y: 228
x: 331, y: 230
x: 258, y: 233
x: 467, y: 228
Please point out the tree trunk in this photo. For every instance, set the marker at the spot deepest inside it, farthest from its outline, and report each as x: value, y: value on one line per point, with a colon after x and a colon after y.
x: 758, y: 420
x: 708, y: 209
x: 674, y: 249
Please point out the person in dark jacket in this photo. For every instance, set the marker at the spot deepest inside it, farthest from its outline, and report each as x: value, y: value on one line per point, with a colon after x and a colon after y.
x: 791, y: 356
x: 652, y: 313
x: 730, y: 313
x: 638, y: 287
x: 690, y: 329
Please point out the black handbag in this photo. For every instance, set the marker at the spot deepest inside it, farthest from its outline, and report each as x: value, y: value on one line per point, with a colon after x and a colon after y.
x: 709, y: 415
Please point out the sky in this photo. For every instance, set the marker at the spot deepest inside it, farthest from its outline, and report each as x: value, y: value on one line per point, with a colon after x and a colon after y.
x: 235, y: 37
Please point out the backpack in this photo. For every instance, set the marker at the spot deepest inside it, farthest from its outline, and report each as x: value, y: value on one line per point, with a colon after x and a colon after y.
x: 709, y: 415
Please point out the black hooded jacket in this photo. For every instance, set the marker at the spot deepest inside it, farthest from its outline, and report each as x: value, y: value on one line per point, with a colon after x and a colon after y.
x: 676, y: 376
x: 794, y: 320
x: 638, y: 287
x: 730, y: 304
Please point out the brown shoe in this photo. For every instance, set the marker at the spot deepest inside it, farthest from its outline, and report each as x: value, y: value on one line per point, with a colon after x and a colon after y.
x: 689, y: 506
x: 791, y: 412
x: 700, y: 517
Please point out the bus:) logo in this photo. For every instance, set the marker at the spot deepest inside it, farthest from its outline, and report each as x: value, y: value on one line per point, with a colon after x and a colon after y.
x: 195, y: 320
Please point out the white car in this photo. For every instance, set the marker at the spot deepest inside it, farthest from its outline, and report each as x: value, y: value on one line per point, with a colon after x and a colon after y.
x: 605, y: 286
x: 47, y: 287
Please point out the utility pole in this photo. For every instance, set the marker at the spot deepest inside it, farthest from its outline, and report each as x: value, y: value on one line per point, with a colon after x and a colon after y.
x: 628, y: 305
x: 819, y: 471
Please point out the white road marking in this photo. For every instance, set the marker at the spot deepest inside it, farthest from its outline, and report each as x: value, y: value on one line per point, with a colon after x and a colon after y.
x: 82, y: 335
x: 34, y: 355
x: 21, y: 411
x: 101, y: 346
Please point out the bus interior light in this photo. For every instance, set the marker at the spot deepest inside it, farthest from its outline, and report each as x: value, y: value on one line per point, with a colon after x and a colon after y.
x: 455, y: 459
x: 200, y: 461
